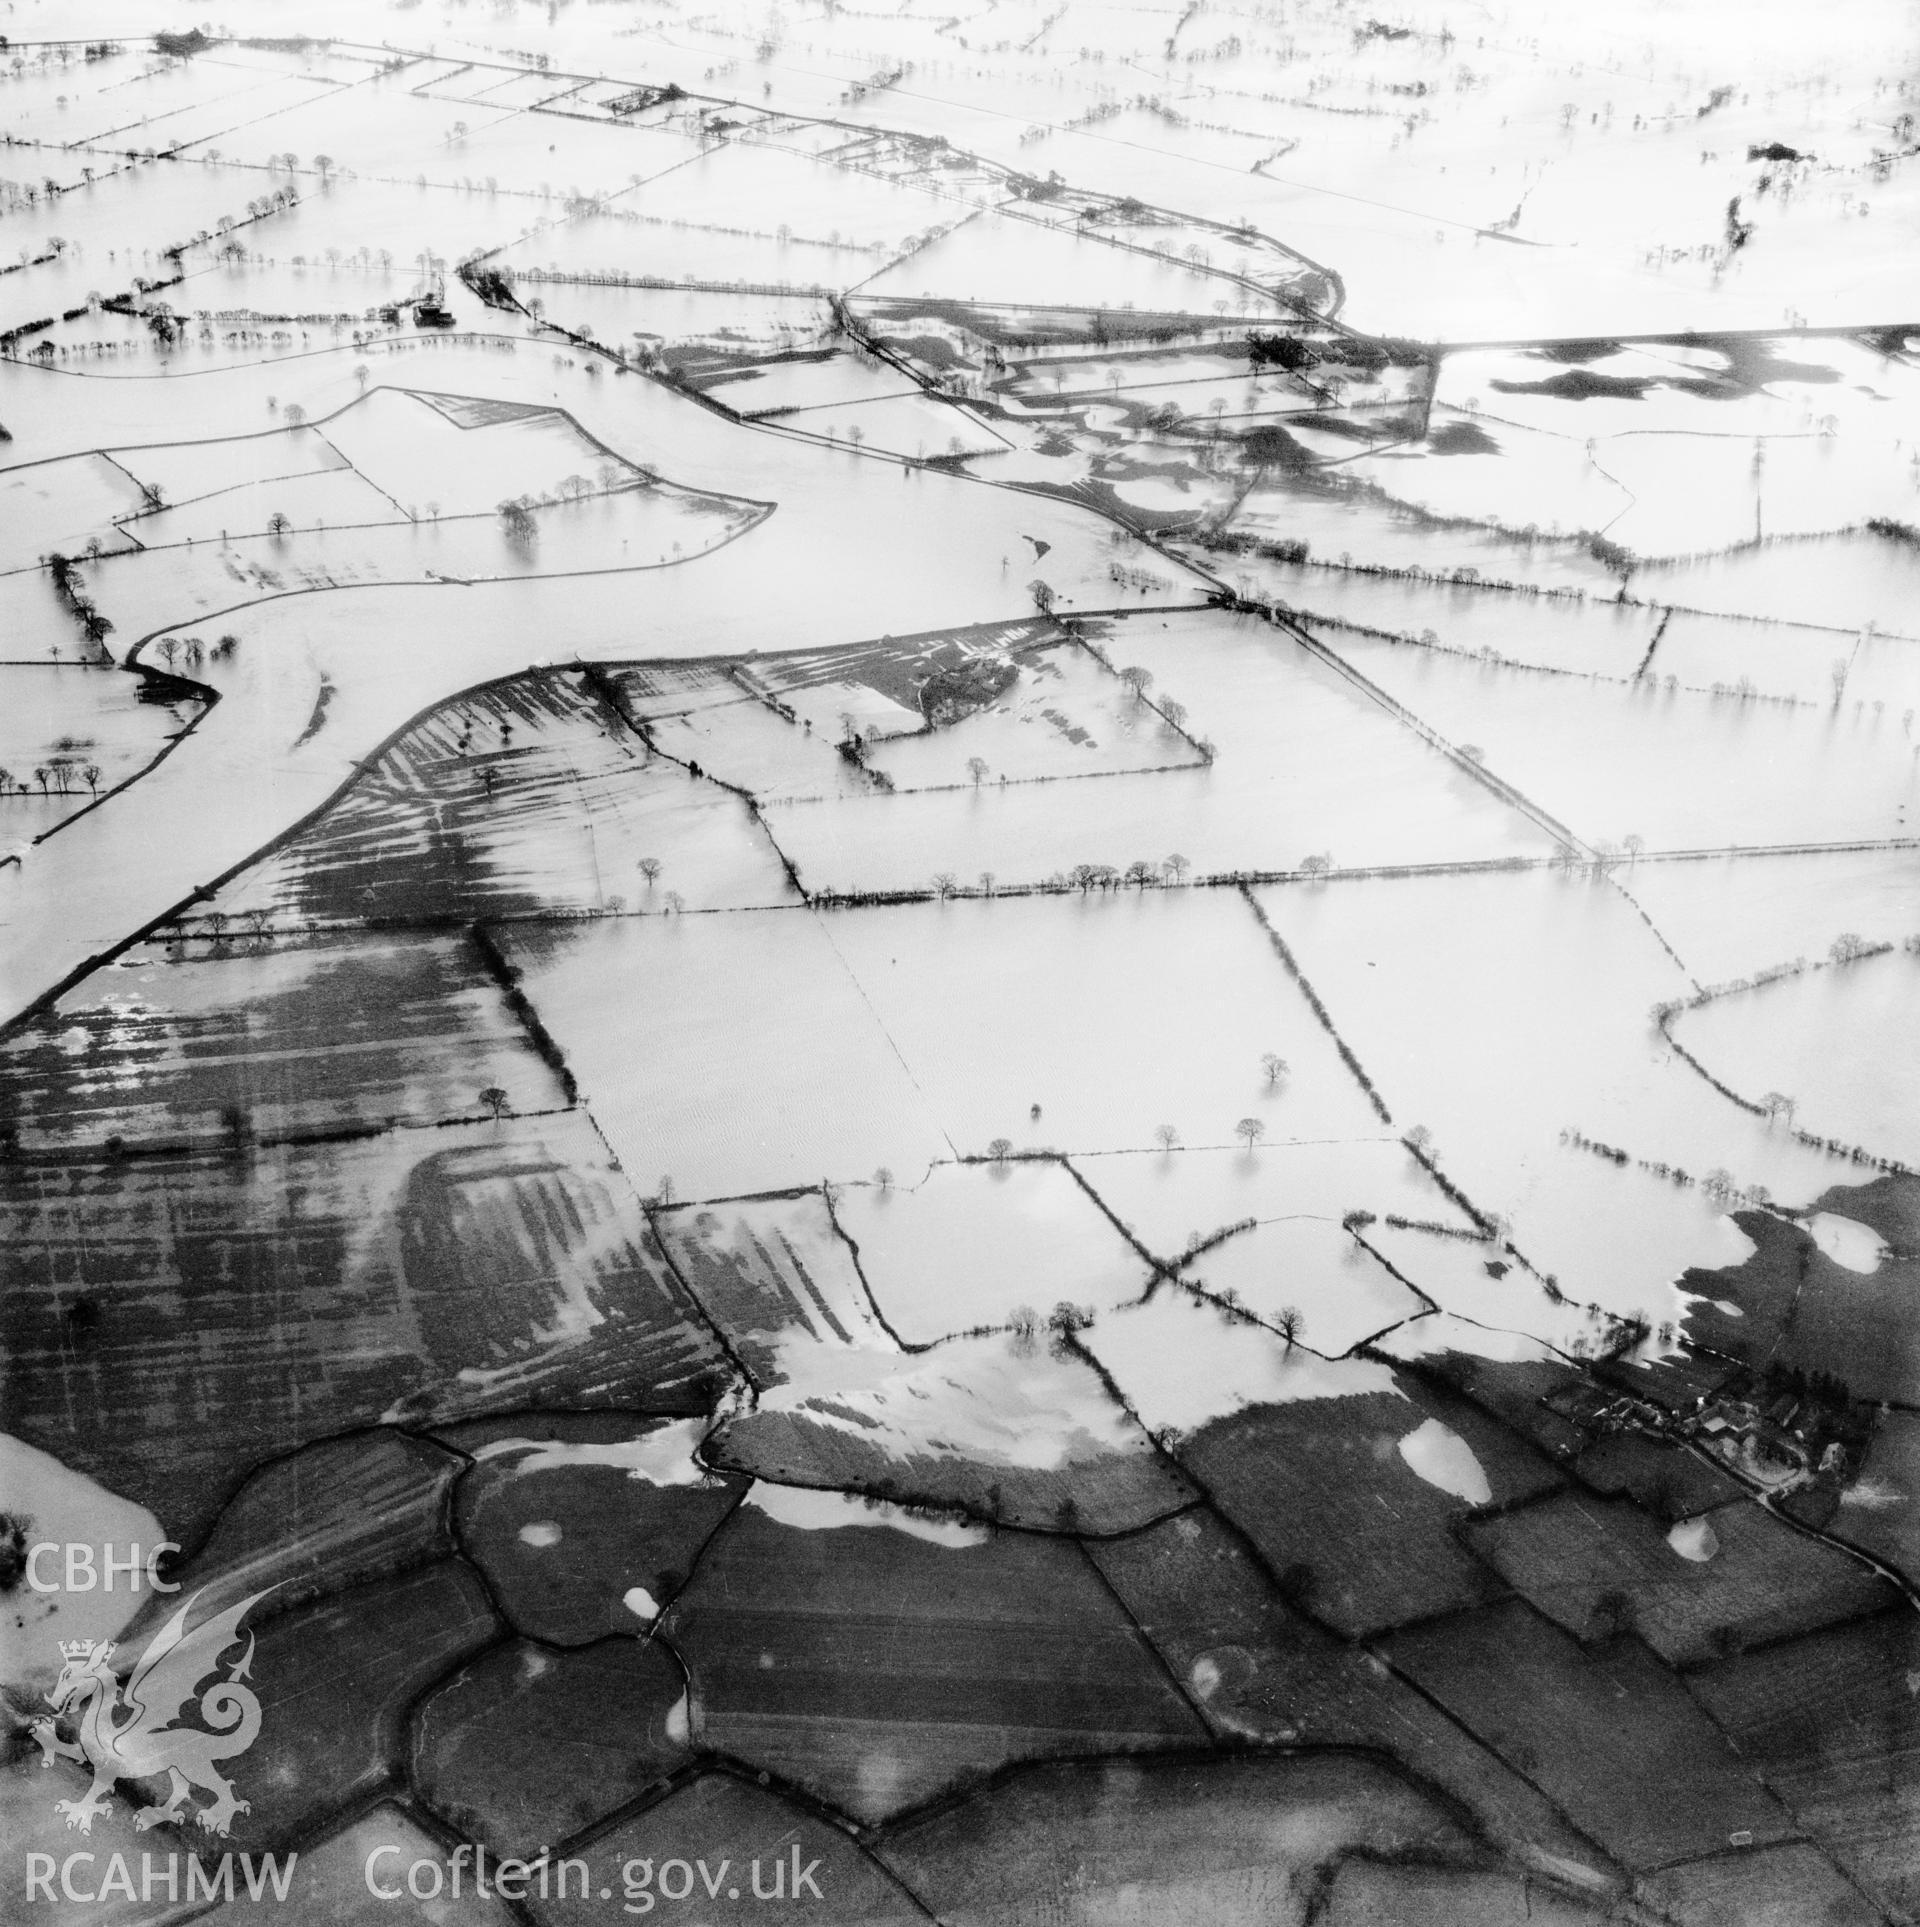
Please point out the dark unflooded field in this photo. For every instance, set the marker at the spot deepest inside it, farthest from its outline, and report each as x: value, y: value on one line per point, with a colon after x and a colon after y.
x: 877, y: 1660
x: 229, y: 1041
x: 252, y: 1302
x: 1610, y: 1737
x: 1367, y: 1539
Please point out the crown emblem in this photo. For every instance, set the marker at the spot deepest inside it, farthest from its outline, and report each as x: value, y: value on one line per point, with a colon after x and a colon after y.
x: 82, y: 1649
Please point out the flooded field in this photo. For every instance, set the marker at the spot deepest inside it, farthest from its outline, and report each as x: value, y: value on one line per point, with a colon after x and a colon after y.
x: 967, y: 954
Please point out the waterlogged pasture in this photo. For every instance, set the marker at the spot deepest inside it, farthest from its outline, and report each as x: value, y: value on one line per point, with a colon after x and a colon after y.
x: 728, y: 1053
x: 1306, y: 764
x: 1584, y: 637
x: 1173, y: 1199
x: 1841, y: 582
x: 1067, y: 714
x: 1500, y: 1011
x: 1361, y: 527
x: 410, y: 450
x: 1682, y: 771
x: 59, y: 505
x: 67, y: 732
x: 1307, y: 1275
x: 198, y: 472
x: 1729, y: 917
x: 999, y: 257
x: 1844, y: 1042
x: 1081, y: 1024
x: 1823, y: 667
x: 752, y: 747
x: 971, y: 1244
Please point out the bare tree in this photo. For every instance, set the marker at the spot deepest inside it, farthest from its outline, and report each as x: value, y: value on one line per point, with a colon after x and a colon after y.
x: 1275, y: 1066
x: 1176, y: 867
x: 649, y: 867
x: 1252, y: 1129
x: 1165, y: 1136
x: 1289, y: 1324
x: 1137, y: 679
x: 944, y: 882
x: 1000, y: 1150
x: 977, y: 769
x: 495, y: 1099
x: 883, y: 1178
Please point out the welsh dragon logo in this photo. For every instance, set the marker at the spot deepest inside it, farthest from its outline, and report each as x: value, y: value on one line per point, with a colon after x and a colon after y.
x: 133, y: 1732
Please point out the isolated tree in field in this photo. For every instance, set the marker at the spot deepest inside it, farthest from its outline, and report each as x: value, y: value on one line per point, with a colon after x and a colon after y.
x: 1042, y: 594
x: 1275, y: 1066
x: 91, y: 774
x: 1165, y: 1136
x: 1633, y: 844
x: 1252, y: 1129
x: 495, y: 1099
x: 883, y: 1178
x: 1779, y: 1104
x: 1000, y: 1150
x: 295, y: 413
x: 1316, y: 865
x: 277, y: 524
x: 216, y: 923
x: 1137, y: 679
x: 649, y: 867
x: 943, y: 884
x: 986, y: 883
x: 1176, y: 867
x: 1289, y: 1324
x: 666, y: 1193
x: 1420, y: 1139
x: 362, y: 374
x: 169, y: 649
x: 977, y: 769
x: 516, y: 522
x: 675, y: 902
